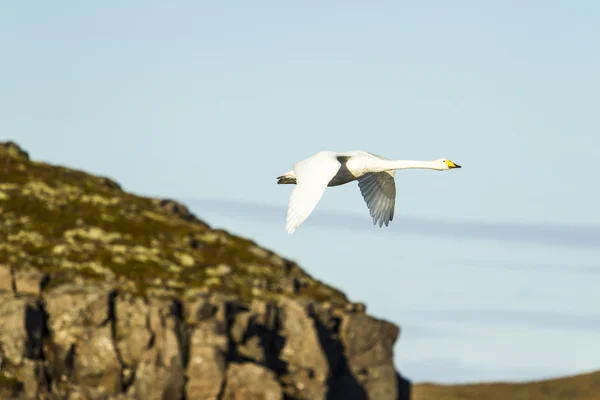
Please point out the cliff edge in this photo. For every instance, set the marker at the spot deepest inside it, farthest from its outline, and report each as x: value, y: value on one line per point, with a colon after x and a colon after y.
x: 109, y: 295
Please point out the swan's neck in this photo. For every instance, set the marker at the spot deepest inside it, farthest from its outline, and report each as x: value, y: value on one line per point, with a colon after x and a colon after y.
x: 409, y: 164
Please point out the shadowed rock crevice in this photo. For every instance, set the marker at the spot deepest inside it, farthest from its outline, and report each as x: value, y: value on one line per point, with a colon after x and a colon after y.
x: 107, y: 295
x: 404, y: 387
x: 112, y: 320
x: 12, y: 280
x: 37, y: 330
x: 340, y: 383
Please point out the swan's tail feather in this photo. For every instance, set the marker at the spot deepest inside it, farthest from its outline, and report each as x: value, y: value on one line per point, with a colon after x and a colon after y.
x: 286, y: 180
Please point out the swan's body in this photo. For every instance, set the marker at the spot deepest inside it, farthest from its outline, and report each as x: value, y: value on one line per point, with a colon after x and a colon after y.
x: 375, y: 175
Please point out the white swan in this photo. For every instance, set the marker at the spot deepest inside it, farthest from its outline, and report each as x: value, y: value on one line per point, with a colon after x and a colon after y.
x: 375, y: 175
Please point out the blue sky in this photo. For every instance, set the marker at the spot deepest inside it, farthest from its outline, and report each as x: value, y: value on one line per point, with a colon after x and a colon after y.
x: 203, y: 100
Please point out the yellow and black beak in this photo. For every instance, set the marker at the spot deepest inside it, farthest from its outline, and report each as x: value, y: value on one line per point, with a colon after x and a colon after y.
x: 451, y: 165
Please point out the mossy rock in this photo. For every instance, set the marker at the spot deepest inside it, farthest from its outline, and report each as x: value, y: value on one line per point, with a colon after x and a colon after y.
x: 73, y: 225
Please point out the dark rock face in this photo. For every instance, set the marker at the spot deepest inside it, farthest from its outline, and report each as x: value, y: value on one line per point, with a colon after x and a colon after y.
x: 97, y: 343
x: 67, y: 333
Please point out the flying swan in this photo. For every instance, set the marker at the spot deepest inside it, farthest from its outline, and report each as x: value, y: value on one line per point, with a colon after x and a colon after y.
x: 375, y: 175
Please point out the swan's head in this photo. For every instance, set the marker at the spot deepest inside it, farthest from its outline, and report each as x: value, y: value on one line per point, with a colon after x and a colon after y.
x: 444, y: 163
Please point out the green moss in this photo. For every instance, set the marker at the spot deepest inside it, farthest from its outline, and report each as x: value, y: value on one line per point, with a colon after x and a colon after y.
x: 69, y: 223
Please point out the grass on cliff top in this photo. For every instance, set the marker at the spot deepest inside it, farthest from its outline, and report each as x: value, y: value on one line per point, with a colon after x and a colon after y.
x: 70, y: 224
x: 579, y: 387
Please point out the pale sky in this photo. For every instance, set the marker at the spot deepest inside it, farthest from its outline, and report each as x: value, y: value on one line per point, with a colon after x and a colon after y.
x: 208, y: 101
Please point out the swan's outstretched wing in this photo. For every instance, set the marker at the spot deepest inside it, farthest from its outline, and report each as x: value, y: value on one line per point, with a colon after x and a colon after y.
x: 379, y: 191
x: 312, y: 176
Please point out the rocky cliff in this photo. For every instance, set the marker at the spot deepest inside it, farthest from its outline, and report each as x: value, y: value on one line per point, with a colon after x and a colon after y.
x: 109, y: 295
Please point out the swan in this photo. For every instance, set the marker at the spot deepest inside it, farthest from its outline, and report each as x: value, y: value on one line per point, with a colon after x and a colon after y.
x: 375, y: 176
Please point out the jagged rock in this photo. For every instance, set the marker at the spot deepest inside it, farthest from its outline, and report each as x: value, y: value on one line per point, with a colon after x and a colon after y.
x: 148, y: 337
x: 160, y: 373
x: 157, y: 377
x: 244, y: 333
x: 35, y: 380
x: 302, y: 351
x: 133, y: 335
x: 109, y: 296
x: 21, y: 329
x: 251, y: 382
x: 368, y: 347
x: 79, y: 320
x: 205, y: 372
x: 254, y: 333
